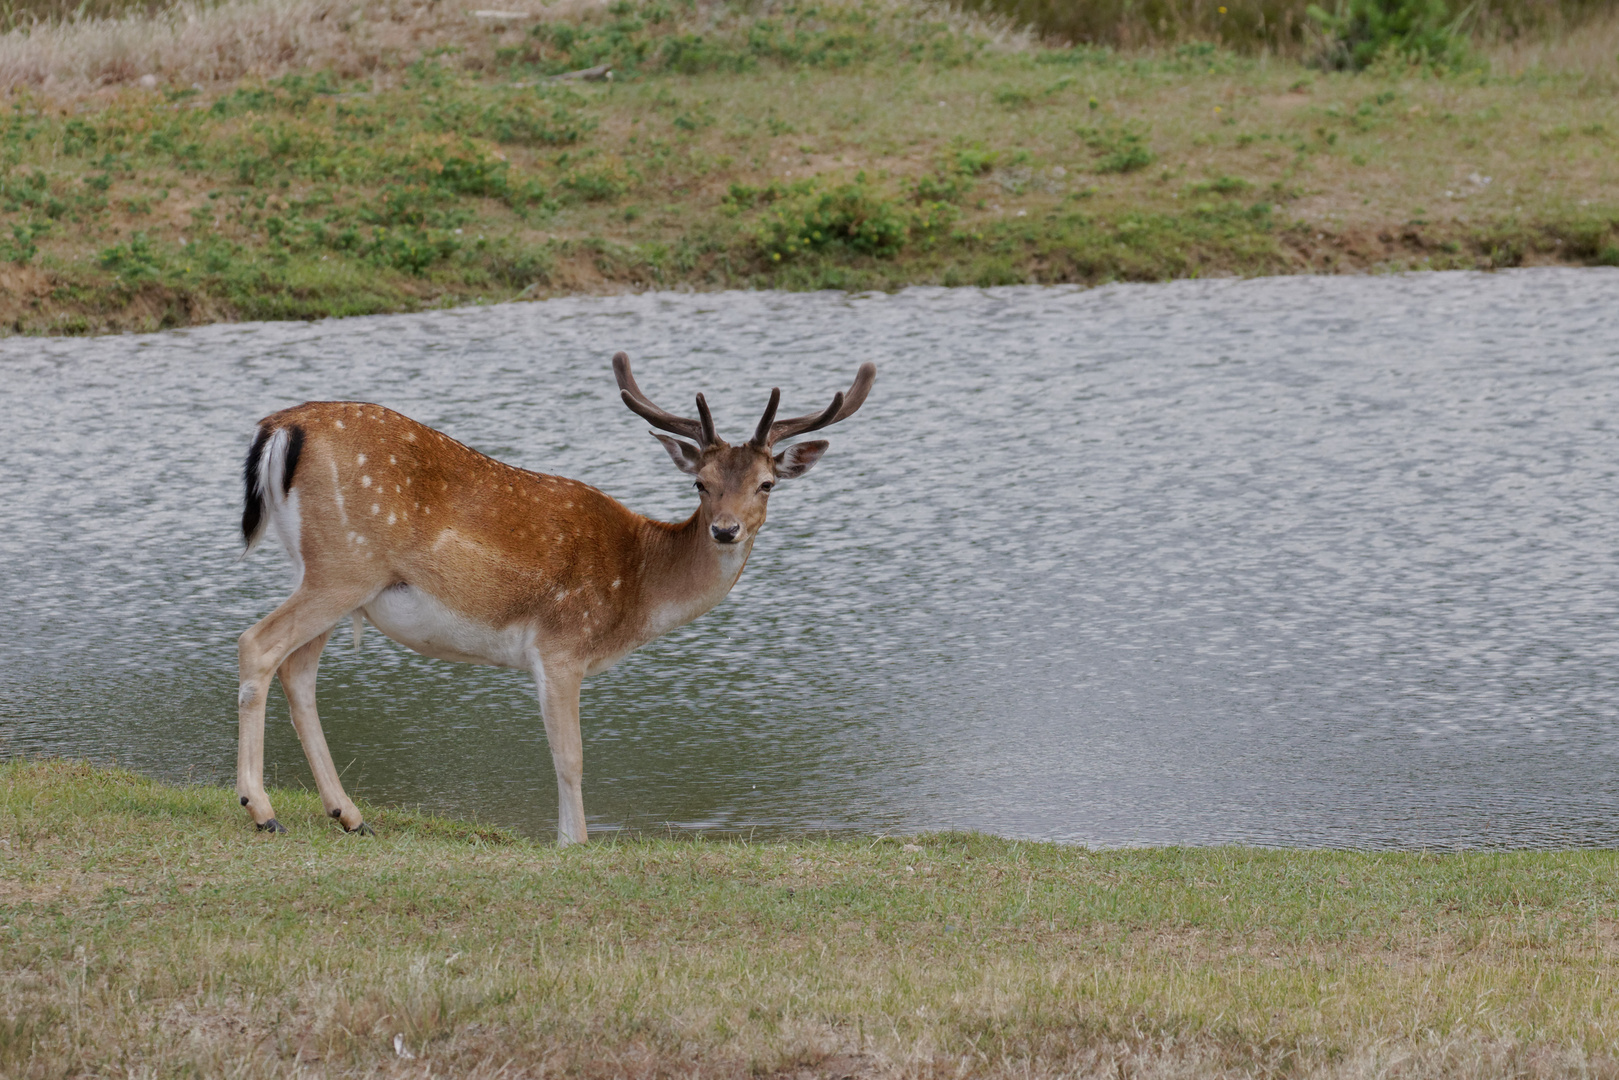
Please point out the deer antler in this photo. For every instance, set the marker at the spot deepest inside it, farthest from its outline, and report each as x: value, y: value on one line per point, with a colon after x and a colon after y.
x: 844, y: 403
x: 761, y: 434
x: 701, y: 432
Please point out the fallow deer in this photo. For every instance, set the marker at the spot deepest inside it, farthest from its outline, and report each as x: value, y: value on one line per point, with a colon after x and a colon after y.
x: 461, y: 557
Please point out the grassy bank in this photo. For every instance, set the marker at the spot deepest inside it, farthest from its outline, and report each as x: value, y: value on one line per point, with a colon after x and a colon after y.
x: 300, y: 158
x: 146, y: 930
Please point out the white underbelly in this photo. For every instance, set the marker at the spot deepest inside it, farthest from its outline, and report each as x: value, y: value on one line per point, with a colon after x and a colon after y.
x: 418, y: 621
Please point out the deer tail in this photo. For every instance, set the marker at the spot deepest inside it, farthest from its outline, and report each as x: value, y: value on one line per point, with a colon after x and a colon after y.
x: 267, y: 475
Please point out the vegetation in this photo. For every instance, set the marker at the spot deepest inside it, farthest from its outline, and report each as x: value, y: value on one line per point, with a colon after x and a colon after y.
x: 148, y: 930
x: 1285, y: 27
x: 394, y: 164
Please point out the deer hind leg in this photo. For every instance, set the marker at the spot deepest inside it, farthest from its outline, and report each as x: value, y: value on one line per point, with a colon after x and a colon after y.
x: 297, y: 674
x: 559, y: 704
x: 307, y: 614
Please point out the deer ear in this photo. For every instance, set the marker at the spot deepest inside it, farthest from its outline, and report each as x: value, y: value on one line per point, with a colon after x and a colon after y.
x: 797, y: 460
x: 687, y: 458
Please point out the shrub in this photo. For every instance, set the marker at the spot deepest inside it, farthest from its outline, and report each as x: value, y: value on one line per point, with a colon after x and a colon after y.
x: 1356, y: 32
x: 850, y: 217
x: 132, y: 262
x: 410, y: 250
x: 21, y: 248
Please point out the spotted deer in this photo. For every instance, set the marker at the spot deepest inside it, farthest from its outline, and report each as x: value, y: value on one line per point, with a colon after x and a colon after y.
x: 462, y: 557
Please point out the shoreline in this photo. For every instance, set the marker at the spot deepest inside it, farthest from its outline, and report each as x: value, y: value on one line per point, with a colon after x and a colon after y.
x: 859, y: 146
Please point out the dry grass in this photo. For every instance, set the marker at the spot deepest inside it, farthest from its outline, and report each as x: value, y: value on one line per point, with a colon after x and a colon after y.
x: 1591, y: 49
x: 147, y: 931
x: 213, y: 44
x: 194, y: 43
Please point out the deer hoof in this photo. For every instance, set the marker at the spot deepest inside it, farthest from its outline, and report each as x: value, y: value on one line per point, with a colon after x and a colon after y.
x: 363, y: 829
x: 272, y: 826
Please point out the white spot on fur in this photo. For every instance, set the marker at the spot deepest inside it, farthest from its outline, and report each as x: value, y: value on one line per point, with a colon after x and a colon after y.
x: 360, y: 459
x: 337, y: 496
x: 392, y: 518
x: 365, y: 481
x: 339, y: 424
x: 392, y: 460
x: 376, y: 508
x: 615, y: 583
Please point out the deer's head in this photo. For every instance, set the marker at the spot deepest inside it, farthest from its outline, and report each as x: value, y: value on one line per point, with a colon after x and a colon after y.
x: 734, y: 482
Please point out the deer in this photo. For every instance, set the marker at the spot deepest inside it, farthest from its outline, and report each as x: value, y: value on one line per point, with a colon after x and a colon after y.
x: 462, y: 557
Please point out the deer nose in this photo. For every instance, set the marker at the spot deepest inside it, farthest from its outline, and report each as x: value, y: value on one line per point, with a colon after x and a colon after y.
x: 726, y: 535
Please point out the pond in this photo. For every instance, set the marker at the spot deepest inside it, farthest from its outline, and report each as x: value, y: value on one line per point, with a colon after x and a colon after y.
x: 1308, y: 562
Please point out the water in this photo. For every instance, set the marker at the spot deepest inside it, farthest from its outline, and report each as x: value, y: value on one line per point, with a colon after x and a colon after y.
x: 1318, y: 562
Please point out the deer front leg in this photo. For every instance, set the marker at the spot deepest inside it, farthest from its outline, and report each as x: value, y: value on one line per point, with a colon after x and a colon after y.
x: 298, y: 681
x: 559, y: 704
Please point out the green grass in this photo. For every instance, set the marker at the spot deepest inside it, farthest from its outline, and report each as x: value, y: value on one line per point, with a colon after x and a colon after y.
x: 146, y: 929
x: 845, y: 145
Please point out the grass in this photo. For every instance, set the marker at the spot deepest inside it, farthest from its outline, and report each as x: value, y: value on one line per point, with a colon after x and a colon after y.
x: 146, y: 930
x: 284, y: 159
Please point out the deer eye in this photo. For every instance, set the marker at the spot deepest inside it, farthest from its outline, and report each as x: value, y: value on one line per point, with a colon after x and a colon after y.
x: 766, y: 486
x: 698, y: 484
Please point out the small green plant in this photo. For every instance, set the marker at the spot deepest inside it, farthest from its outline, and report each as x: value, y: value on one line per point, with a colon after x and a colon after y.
x: 1224, y: 185
x: 22, y: 248
x: 1122, y: 147
x: 596, y: 183
x: 695, y: 120
x: 133, y: 262
x: 746, y: 197
x: 972, y: 160
x: 521, y: 123
x: 941, y: 187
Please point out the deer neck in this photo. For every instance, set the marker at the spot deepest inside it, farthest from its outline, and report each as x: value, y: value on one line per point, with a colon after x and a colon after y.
x: 687, y: 573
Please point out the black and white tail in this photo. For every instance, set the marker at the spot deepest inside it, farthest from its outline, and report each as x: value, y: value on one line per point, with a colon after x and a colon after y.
x: 267, y: 474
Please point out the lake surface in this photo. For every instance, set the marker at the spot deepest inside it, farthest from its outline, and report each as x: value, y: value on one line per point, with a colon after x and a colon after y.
x: 1311, y: 561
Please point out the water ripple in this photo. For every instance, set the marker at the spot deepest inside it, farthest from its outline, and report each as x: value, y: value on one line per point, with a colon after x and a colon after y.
x: 1311, y: 561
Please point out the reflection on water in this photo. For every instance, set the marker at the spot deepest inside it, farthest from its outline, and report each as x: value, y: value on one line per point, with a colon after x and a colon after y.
x: 1305, y: 561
